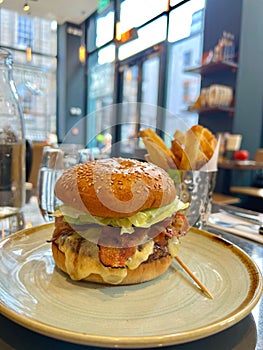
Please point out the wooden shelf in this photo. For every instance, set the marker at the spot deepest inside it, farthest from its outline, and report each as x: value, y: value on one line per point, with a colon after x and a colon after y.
x: 240, y: 165
x: 213, y: 67
x: 247, y: 191
x: 210, y: 68
x: 220, y: 198
x: 224, y: 109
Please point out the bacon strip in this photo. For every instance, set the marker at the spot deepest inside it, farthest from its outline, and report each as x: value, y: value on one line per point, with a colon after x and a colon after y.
x: 180, y: 224
x: 116, y: 249
x: 61, y: 228
x: 115, y: 257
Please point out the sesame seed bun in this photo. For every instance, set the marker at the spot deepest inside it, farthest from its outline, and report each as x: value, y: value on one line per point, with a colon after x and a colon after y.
x: 115, y: 187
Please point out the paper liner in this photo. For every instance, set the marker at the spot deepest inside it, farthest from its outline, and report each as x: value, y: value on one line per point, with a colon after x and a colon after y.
x: 212, y: 164
x: 209, y: 166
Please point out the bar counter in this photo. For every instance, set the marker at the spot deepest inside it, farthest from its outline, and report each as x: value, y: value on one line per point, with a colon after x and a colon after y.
x: 247, y: 334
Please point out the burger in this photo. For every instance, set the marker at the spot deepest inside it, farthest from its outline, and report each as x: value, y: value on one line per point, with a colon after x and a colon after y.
x: 119, y: 222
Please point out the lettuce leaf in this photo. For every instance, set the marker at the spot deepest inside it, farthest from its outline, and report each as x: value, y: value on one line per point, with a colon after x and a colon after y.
x: 145, y: 218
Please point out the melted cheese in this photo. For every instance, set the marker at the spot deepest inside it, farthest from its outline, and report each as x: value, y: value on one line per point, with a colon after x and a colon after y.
x: 89, y: 263
x: 140, y: 255
x: 173, y: 246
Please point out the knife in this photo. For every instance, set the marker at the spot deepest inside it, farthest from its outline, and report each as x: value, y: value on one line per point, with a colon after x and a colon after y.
x: 255, y: 219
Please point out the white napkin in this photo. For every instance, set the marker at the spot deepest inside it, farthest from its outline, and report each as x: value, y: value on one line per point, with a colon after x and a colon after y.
x: 242, y: 231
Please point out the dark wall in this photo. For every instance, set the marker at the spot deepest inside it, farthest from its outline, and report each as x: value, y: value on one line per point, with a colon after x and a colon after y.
x: 71, y: 87
x: 220, y: 16
x: 223, y: 15
x: 243, y: 18
x: 248, y: 116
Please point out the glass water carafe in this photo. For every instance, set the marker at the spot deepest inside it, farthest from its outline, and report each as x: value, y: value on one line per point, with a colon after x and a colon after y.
x: 12, y: 141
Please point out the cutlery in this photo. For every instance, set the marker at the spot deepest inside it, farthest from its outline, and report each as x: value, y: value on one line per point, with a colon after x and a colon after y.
x: 255, y: 219
x: 236, y: 224
x: 247, y: 233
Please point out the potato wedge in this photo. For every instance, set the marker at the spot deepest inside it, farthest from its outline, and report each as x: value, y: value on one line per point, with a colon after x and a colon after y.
x: 206, y: 139
x: 177, y: 149
x: 189, y: 151
x: 151, y: 134
x: 157, y: 155
x: 179, y: 136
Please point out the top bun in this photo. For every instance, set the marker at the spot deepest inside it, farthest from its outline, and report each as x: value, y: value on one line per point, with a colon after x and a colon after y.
x: 115, y: 187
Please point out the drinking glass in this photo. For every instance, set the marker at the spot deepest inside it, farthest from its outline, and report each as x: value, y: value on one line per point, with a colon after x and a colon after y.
x: 11, y: 224
x: 54, y: 162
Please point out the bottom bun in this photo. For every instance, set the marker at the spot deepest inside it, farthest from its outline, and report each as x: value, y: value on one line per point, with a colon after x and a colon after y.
x: 145, y: 272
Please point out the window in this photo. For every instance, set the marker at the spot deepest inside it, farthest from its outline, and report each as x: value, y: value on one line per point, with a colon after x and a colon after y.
x: 177, y: 45
x: 187, y: 58
x: 100, y: 29
x: 91, y: 34
x: 197, y: 21
x: 183, y: 19
x: 105, y: 29
x: 135, y: 13
x: 100, y: 93
x: 107, y: 54
x: 186, y: 91
x: 25, y: 31
x: 175, y: 2
x: 185, y: 34
x: 44, y: 39
x: 35, y: 80
x: 148, y: 35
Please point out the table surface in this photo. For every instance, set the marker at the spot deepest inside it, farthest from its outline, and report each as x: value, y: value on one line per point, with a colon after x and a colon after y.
x: 245, y: 335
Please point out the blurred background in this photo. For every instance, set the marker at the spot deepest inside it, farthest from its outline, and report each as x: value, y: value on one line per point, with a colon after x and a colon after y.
x: 199, y: 60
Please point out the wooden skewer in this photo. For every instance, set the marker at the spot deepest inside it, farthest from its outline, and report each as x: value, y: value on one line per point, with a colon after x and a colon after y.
x: 190, y: 273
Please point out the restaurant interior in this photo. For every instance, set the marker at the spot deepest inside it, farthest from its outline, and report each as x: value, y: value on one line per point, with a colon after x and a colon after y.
x: 177, y: 83
x: 77, y: 63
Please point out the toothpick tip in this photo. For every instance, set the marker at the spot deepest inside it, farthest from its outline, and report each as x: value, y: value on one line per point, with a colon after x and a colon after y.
x: 198, y: 282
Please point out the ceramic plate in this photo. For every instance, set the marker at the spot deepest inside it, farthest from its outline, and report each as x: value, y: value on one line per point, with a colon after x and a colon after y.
x: 168, y: 310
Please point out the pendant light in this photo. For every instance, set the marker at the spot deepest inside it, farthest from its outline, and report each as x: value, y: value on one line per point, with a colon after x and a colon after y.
x: 26, y: 7
x: 82, y: 48
x: 29, y: 53
x: 82, y: 54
